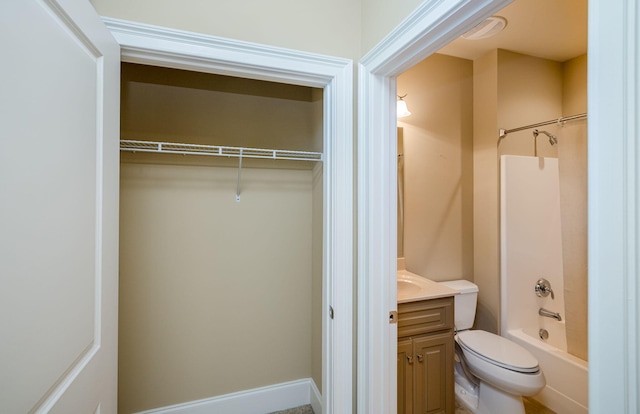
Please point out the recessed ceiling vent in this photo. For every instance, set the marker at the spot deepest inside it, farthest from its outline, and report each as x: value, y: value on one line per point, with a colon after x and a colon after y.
x: 490, y: 27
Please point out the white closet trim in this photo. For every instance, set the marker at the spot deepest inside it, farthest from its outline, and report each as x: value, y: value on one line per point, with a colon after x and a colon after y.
x: 158, y: 46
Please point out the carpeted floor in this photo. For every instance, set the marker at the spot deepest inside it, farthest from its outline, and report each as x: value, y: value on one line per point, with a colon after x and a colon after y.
x: 304, y: 409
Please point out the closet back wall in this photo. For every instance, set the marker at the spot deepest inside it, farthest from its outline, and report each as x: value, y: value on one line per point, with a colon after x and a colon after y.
x: 217, y: 296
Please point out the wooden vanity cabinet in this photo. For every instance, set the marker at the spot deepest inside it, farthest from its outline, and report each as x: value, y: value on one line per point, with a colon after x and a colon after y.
x: 425, y: 357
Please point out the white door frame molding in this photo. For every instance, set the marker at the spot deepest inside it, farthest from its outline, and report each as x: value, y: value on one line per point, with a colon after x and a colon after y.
x: 614, y: 213
x: 614, y: 190
x: 159, y: 46
x: 430, y: 27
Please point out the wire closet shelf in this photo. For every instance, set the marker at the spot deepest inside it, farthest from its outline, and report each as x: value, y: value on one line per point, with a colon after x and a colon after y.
x: 218, y: 151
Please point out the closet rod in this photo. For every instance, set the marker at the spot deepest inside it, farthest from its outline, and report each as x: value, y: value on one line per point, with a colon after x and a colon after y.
x: 504, y: 132
x: 217, y: 151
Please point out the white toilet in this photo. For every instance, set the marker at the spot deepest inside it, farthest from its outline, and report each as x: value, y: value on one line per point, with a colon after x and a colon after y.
x: 491, y: 372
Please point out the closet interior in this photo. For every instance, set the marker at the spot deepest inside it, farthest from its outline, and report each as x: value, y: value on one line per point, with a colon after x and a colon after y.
x: 221, y: 236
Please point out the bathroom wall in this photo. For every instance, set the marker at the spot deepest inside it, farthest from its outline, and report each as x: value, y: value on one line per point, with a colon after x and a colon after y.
x: 217, y: 296
x: 438, y: 168
x: 510, y: 90
x: 572, y: 152
x: 486, y: 217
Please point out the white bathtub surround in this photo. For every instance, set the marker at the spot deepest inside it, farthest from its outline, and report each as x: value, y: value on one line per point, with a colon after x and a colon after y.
x: 567, y: 376
x: 255, y: 401
x: 530, y: 407
x: 531, y: 241
x: 531, y: 248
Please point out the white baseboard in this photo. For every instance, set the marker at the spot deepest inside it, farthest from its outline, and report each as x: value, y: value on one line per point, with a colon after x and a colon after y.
x: 316, y: 398
x: 255, y: 401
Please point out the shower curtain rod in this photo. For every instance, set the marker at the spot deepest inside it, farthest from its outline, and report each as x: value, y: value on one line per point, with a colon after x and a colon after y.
x: 504, y: 132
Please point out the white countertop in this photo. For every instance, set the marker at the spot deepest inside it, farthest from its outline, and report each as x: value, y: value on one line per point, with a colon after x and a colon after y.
x: 412, y: 287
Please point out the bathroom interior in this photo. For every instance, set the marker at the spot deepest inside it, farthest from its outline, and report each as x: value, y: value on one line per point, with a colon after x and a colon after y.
x: 490, y: 192
x: 220, y: 256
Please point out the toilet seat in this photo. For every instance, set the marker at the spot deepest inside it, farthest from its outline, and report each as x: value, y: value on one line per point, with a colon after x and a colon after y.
x: 498, y: 351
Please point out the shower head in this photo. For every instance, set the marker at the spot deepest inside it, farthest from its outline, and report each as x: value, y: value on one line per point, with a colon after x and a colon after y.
x: 553, y: 140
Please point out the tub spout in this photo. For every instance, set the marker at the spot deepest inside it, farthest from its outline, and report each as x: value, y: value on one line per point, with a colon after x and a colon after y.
x: 549, y: 314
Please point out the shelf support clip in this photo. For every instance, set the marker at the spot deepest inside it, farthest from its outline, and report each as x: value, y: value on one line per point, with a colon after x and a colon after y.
x: 239, y: 176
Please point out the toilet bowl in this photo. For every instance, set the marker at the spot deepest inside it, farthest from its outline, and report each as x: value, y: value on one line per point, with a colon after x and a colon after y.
x: 492, y: 373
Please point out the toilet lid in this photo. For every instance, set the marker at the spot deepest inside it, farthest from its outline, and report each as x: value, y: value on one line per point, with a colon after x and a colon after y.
x: 498, y: 350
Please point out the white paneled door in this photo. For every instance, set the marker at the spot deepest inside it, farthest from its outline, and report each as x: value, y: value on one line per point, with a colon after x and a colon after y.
x: 59, y: 160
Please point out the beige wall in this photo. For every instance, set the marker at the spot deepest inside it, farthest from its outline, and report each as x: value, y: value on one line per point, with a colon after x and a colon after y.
x: 572, y: 152
x: 511, y: 90
x: 329, y: 27
x: 169, y: 104
x: 486, y: 236
x: 529, y: 91
x: 452, y: 213
x: 438, y: 168
x: 380, y: 17
x: 316, y: 276
x: 334, y: 27
x: 217, y: 296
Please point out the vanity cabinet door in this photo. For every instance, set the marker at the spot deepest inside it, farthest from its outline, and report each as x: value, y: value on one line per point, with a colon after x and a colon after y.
x: 433, y: 374
x: 405, y: 376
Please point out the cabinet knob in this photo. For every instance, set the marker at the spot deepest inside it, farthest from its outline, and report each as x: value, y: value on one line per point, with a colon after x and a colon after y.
x: 419, y: 356
x: 410, y: 359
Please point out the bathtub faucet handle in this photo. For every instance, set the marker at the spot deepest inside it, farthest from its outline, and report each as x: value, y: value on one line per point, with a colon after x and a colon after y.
x: 543, y: 288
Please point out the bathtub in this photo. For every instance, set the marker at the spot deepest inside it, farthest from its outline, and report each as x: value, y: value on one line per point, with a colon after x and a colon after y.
x: 567, y: 376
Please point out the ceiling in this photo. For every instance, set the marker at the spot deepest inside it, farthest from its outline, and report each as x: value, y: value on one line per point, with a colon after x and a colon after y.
x: 550, y: 29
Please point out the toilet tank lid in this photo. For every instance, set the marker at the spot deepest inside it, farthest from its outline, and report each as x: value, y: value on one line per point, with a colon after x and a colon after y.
x: 461, y: 285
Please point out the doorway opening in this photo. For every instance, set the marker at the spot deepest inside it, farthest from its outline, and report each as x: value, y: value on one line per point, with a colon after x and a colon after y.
x: 217, y: 257
x: 460, y: 97
x: 331, y: 78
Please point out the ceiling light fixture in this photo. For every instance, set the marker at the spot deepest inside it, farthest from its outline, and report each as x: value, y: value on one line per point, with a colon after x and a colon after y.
x: 401, y: 109
x: 490, y: 27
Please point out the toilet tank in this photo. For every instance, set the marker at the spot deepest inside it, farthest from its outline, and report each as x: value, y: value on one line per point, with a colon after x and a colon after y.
x: 464, y: 304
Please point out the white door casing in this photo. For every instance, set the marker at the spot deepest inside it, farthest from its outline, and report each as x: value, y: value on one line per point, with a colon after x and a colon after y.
x: 614, y: 177
x: 59, y: 171
x: 613, y: 82
x: 160, y: 46
x: 430, y: 27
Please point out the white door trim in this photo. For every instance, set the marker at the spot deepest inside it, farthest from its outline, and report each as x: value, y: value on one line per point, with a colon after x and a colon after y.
x: 159, y: 46
x: 431, y: 26
x: 614, y: 189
